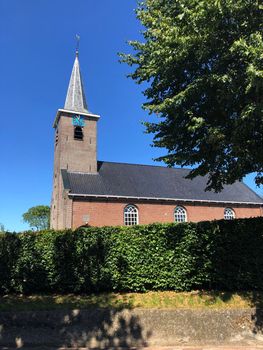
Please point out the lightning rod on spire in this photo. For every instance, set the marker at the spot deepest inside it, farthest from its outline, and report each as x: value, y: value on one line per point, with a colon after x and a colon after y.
x: 77, y: 44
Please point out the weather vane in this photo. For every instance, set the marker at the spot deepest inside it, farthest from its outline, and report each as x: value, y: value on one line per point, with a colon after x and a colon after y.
x: 77, y: 44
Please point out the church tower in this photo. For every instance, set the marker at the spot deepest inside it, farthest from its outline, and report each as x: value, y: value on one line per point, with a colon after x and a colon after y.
x: 75, y: 146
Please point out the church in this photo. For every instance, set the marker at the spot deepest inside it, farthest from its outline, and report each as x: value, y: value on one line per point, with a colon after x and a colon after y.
x: 100, y: 193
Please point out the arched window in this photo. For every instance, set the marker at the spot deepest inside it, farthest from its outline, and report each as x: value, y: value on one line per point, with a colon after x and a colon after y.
x: 131, y: 215
x: 78, y: 133
x: 229, y: 214
x: 180, y: 214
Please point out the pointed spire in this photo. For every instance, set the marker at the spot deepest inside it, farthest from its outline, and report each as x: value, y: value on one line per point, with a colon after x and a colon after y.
x: 76, y: 100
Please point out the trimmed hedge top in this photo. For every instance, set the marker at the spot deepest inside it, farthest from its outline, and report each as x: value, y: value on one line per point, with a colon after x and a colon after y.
x: 225, y: 255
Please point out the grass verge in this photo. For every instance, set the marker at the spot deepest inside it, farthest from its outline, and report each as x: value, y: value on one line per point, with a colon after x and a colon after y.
x: 168, y: 300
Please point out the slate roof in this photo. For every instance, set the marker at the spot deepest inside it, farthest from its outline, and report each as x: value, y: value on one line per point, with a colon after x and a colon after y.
x: 151, y: 182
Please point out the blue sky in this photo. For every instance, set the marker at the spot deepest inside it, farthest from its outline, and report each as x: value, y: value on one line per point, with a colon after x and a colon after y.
x: 37, y: 40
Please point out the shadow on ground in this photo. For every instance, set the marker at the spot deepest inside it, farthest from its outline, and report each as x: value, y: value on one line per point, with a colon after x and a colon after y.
x: 256, y: 301
x: 91, y: 328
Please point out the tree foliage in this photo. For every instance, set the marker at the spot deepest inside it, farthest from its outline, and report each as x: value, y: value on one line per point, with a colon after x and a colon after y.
x: 203, y: 62
x: 38, y: 217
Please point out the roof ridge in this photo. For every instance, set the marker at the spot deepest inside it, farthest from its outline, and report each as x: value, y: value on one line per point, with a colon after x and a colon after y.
x: 147, y: 165
x: 80, y: 172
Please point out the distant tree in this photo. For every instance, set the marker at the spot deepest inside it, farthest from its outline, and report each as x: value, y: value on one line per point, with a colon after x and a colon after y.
x: 203, y: 62
x: 38, y: 217
x: 2, y: 228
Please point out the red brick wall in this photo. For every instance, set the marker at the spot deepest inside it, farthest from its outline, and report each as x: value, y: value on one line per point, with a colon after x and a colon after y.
x: 68, y: 153
x: 111, y: 212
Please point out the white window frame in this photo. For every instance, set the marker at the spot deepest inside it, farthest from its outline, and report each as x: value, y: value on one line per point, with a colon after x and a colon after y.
x: 229, y: 214
x: 181, y: 217
x: 130, y: 215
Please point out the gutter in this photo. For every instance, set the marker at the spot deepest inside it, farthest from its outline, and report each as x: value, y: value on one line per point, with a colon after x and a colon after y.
x: 161, y: 199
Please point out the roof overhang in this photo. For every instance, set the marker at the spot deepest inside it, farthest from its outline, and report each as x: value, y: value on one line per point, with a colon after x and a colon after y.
x: 67, y: 111
x: 201, y: 201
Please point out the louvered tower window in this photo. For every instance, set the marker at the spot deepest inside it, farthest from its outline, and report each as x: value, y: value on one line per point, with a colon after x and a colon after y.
x: 78, y: 133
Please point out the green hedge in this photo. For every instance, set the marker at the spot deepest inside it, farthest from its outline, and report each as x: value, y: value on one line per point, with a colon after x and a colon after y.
x: 225, y: 255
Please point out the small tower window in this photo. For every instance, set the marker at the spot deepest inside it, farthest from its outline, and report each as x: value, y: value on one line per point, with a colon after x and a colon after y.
x: 56, y: 139
x: 229, y: 214
x: 180, y: 214
x: 131, y: 215
x: 78, y: 133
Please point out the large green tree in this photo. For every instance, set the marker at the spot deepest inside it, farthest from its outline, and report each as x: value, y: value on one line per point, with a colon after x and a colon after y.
x: 38, y: 217
x: 203, y: 62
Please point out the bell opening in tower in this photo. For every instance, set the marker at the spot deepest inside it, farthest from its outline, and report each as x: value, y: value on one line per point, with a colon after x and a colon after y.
x: 78, y: 133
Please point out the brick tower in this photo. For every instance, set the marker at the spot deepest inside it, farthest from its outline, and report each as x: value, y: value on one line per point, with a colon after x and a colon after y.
x: 75, y: 146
